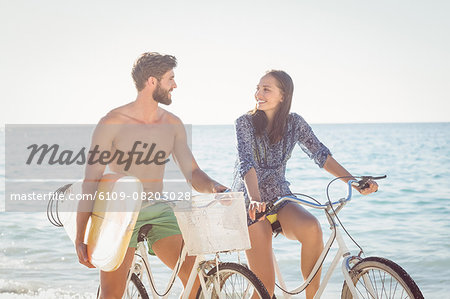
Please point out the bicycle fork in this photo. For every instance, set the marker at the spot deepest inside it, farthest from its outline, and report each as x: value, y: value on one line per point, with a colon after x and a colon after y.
x: 344, y: 253
x: 200, y: 269
x: 192, y: 277
x: 143, y: 269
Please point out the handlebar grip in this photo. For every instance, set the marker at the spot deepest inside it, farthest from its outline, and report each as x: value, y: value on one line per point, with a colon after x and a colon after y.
x: 259, y: 215
x: 269, y: 208
x: 364, y: 182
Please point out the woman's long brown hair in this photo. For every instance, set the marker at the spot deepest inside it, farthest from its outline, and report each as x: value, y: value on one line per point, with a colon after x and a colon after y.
x: 259, y: 118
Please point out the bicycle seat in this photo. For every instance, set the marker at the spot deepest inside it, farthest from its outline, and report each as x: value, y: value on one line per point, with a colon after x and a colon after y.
x: 143, y: 232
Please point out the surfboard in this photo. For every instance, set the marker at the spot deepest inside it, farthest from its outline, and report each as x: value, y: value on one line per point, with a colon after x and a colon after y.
x: 113, y: 218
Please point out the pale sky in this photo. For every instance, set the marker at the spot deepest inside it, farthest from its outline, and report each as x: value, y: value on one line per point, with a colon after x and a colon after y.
x: 351, y: 61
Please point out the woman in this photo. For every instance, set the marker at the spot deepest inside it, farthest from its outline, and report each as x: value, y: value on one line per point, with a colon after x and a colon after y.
x: 266, y: 137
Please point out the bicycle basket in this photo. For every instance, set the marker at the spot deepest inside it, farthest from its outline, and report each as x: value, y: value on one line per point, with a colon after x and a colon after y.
x: 213, y: 223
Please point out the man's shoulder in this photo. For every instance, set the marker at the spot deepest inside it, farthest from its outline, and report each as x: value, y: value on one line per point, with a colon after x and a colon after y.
x: 111, y: 119
x: 170, y: 118
x: 115, y: 116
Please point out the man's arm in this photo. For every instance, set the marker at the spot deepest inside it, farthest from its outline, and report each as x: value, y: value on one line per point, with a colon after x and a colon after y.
x: 101, y: 141
x: 199, y: 180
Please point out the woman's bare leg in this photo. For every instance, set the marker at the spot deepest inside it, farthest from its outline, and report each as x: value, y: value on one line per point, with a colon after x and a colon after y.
x: 298, y: 224
x: 260, y: 255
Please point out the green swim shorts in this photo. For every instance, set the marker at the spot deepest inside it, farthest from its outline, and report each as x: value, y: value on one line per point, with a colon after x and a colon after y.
x: 163, y: 221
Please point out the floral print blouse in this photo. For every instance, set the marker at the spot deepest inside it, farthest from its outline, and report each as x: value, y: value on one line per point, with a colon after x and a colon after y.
x: 269, y: 160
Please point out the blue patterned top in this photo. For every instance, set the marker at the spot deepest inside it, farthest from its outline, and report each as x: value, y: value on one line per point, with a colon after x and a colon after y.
x: 269, y: 160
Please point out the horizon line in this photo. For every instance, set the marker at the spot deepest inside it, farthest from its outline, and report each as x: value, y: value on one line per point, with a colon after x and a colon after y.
x: 231, y: 124
x: 345, y: 123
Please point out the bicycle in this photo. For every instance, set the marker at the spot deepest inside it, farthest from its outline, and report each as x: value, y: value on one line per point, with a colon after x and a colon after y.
x: 210, y: 224
x: 370, y: 277
x: 217, y: 279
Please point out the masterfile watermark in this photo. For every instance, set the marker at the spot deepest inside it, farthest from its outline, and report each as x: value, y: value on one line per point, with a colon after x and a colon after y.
x: 105, y: 157
x: 41, y: 159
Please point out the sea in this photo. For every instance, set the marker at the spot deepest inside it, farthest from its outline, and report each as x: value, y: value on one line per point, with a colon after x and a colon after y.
x: 407, y: 220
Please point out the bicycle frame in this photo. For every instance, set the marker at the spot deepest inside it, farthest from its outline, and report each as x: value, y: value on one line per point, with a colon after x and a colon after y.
x: 342, y: 252
x: 200, y: 269
x: 141, y: 252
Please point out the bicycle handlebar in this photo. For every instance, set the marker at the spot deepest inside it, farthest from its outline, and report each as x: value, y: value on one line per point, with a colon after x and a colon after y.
x: 362, y: 184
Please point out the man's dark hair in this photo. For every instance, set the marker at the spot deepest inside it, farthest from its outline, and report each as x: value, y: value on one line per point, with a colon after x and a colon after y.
x: 151, y: 64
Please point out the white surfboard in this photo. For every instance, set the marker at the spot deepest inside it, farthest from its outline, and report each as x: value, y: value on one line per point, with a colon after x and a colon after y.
x: 111, y: 224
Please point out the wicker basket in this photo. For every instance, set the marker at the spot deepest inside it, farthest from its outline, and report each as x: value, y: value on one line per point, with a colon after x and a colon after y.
x: 212, y: 223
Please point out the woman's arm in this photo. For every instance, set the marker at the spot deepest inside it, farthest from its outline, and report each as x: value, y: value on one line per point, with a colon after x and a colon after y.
x: 336, y: 169
x: 251, y: 184
x: 244, y: 135
x: 311, y: 145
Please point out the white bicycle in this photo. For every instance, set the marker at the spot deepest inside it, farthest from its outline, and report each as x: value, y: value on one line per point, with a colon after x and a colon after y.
x: 217, y: 226
x: 370, y: 277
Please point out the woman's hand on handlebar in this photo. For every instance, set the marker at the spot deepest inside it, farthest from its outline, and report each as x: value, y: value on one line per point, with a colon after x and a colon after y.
x: 256, y: 206
x: 369, y: 187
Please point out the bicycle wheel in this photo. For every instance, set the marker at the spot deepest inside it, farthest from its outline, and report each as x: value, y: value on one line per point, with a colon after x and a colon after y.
x: 376, y: 277
x: 235, y: 281
x: 135, y: 289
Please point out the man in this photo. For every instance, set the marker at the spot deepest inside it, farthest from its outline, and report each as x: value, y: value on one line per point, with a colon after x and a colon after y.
x: 143, y: 121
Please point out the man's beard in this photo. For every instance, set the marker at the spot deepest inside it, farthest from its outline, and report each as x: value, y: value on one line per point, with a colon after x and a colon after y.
x: 161, y: 95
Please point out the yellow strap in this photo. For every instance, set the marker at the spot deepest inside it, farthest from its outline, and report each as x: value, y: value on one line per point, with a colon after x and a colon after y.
x: 272, y: 218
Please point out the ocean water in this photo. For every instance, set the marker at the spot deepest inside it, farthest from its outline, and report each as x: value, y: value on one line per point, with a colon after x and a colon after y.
x: 407, y: 220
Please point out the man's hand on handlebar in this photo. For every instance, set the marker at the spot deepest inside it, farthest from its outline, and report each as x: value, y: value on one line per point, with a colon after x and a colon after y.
x: 219, y: 188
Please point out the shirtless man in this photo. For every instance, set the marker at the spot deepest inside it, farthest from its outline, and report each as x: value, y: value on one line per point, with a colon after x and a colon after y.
x: 144, y: 121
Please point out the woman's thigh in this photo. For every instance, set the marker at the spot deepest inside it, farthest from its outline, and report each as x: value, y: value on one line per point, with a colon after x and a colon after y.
x: 261, y: 235
x: 260, y: 256
x: 261, y: 242
x: 297, y: 223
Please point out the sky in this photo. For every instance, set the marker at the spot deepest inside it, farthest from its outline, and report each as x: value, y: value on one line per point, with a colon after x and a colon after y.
x: 351, y: 61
